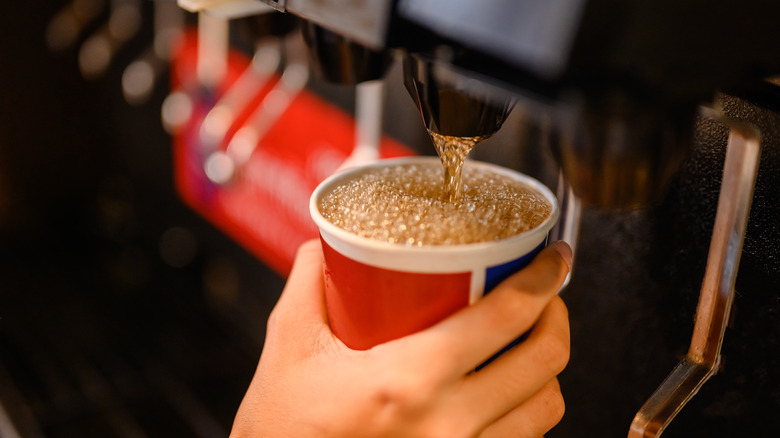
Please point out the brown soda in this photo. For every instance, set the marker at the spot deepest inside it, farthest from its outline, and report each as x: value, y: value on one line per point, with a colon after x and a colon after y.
x: 406, y: 204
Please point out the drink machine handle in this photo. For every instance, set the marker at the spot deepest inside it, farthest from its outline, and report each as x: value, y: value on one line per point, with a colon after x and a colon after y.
x: 717, y: 291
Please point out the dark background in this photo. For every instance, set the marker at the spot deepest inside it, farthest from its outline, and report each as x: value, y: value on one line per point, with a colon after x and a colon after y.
x: 102, y: 333
x: 99, y: 335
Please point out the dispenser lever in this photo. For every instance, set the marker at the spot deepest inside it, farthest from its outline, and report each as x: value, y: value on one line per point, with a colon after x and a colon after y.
x: 568, y: 227
x: 368, y: 129
x: 717, y: 292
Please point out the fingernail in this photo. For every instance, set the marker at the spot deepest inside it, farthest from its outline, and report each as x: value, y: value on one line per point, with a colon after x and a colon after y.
x: 564, y: 250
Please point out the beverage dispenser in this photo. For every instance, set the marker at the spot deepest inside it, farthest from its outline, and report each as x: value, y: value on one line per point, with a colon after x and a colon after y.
x: 639, y: 104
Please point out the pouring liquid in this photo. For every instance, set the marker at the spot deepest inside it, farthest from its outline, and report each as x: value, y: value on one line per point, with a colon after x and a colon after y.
x: 452, y: 152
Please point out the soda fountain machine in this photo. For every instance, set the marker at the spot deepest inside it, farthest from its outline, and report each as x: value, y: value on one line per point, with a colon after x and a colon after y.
x: 658, y: 122
x: 631, y: 98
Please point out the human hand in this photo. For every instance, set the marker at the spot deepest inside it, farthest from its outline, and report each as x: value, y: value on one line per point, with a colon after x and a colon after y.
x: 309, y: 384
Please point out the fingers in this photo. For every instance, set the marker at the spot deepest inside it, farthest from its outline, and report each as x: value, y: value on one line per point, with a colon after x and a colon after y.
x: 533, y: 418
x: 302, y: 303
x: 472, y: 335
x: 519, y: 373
x: 564, y: 250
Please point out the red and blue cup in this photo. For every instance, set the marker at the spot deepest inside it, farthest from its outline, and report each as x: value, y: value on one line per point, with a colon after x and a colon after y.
x: 378, y: 291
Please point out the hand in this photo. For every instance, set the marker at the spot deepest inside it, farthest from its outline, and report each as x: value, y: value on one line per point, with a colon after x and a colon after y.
x: 309, y: 384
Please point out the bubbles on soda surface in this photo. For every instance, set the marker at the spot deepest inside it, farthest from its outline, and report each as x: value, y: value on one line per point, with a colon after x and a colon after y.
x: 452, y: 152
x: 407, y: 204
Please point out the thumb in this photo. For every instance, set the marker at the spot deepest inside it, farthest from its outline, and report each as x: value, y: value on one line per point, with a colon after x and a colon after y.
x: 302, y: 303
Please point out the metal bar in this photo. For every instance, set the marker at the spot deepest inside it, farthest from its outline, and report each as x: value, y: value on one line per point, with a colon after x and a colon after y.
x: 736, y: 194
x: 568, y: 226
x: 369, y: 100
x: 717, y: 292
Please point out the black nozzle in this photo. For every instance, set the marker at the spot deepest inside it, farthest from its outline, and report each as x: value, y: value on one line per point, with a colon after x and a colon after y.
x: 464, y: 109
x: 260, y: 26
x: 342, y: 61
x: 623, y: 152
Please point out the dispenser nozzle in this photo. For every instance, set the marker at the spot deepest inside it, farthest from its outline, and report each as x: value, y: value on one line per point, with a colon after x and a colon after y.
x: 621, y: 152
x: 342, y: 61
x: 454, y: 108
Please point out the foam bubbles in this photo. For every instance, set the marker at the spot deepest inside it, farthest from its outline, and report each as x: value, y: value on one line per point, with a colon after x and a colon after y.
x: 407, y: 204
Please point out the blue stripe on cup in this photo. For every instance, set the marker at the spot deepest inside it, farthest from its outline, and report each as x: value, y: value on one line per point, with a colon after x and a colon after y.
x: 495, y: 275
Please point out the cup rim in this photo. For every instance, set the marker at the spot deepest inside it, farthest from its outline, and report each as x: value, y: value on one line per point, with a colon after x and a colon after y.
x: 326, y: 227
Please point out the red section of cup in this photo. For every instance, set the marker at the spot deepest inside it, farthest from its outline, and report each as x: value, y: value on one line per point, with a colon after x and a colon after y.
x: 368, y: 305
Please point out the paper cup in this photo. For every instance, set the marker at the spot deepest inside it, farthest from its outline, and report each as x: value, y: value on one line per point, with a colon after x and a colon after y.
x: 377, y: 291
